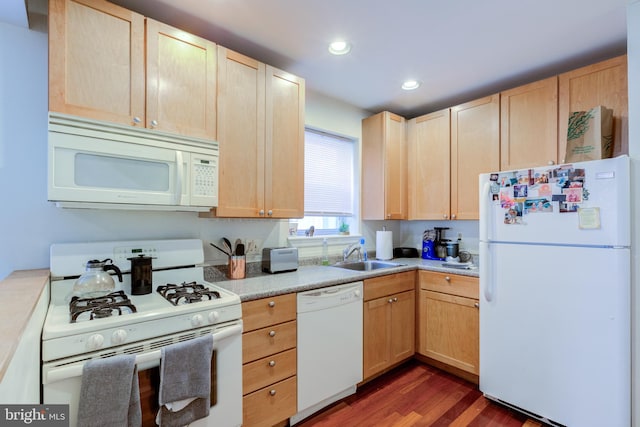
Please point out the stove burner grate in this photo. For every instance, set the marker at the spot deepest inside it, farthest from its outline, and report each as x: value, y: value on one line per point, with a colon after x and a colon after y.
x: 186, y: 293
x: 101, y: 307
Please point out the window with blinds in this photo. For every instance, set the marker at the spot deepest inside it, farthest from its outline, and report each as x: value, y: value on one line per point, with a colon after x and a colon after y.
x: 328, y: 182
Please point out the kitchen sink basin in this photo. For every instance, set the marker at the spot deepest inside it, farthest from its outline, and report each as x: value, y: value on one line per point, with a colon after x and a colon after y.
x: 366, y: 265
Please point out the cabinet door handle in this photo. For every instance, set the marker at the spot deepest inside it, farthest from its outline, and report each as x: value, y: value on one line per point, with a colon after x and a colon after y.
x: 272, y: 333
x: 476, y: 305
x: 272, y: 392
x: 270, y: 212
x: 551, y: 162
x: 272, y: 304
x: 445, y: 216
x: 136, y: 120
x: 261, y: 213
x: 272, y: 363
x: 395, y: 299
x: 154, y: 123
x: 453, y: 216
x: 447, y: 278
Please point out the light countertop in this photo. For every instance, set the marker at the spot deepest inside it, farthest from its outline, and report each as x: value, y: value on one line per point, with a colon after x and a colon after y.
x: 309, y: 277
x: 19, y: 294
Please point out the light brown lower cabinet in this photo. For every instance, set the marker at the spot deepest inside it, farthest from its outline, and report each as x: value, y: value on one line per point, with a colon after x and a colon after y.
x: 448, y: 320
x: 269, y: 357
x: 389, y: 322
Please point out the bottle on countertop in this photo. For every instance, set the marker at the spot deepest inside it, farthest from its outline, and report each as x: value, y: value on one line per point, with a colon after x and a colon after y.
x: 363, y: 250
x: 325, y: 252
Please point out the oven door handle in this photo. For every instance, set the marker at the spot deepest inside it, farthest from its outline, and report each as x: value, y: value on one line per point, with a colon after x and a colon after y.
x: 143, y: 360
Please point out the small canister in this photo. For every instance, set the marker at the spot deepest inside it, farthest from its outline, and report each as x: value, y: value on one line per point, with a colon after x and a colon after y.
x: 237, y: 267
x: 452, y: 249
x: 141, y: 275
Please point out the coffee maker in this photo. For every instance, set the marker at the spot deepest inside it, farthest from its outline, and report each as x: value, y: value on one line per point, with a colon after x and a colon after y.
x: 440, y: 244
x: 433, y: 246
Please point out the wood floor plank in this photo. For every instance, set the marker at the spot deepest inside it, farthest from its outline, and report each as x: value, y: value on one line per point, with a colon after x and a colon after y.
x: 408, y: 420
x: 471, y: 412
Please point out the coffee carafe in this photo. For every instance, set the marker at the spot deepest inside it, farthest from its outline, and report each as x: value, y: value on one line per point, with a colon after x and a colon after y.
x: 95, y: 281
x: 141, y: 275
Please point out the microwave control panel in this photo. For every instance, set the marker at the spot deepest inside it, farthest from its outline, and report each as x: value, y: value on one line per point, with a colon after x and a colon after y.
x: 204, y: 179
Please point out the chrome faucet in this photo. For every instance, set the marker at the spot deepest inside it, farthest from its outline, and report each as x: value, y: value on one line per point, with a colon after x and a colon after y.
x: 354, y: 247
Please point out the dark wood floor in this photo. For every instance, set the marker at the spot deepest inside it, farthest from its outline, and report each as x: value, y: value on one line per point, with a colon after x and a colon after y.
x: 415, y: 394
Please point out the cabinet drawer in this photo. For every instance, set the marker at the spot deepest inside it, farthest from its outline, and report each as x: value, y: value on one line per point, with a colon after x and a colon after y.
x: 454, y: 284
x: 270, y: 340
x: 268, y: 370
x: 270, y: 405
x: 390, y: 284
x: 268, y: 311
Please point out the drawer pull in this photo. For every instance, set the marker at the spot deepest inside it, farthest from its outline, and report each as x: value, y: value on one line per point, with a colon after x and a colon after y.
x: 272, y: 304
x: 272, y: 333
x: 272, y: 392
x: 447, y: 278
x: 272, y: 363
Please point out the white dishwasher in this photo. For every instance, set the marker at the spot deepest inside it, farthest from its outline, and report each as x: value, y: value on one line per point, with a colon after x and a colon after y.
x: 329, y: 346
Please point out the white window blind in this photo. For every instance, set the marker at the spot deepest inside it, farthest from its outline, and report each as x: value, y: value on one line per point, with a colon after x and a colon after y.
x: 328, y: 174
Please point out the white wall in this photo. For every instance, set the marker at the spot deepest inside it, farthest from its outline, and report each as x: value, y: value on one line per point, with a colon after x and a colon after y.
x: 633, y: 55
x: 29, y: 223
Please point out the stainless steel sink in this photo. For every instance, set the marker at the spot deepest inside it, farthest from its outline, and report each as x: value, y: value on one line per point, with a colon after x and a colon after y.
x: 366, y: 265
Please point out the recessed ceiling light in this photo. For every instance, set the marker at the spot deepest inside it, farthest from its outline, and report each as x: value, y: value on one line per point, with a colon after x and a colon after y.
x: 410, y: 85
x: 339, y: 47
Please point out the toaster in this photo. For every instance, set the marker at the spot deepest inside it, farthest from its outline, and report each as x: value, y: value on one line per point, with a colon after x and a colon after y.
x: 277, y: 260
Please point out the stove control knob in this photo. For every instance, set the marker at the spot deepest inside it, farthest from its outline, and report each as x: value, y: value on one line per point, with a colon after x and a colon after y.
x: 95, y: 342
x: 197, y: 320
x: 119, y: 336
x: 213, y: 316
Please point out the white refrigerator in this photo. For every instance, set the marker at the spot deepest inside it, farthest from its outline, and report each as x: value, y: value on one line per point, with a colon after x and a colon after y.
x: 555, y: 292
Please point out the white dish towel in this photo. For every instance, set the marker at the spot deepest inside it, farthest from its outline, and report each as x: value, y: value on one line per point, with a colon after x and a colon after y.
x: 185, y: 382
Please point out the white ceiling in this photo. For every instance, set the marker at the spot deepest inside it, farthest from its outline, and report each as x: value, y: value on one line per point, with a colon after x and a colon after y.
x: 459, y: 49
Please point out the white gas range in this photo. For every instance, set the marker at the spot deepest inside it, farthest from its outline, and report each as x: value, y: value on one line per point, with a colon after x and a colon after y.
x: 140, y: 324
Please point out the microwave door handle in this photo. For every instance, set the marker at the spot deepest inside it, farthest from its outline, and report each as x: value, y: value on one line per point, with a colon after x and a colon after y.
x: 179, y: 176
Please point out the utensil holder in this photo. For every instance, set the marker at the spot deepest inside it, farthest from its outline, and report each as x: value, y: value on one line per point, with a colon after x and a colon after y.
x: 237, y: 267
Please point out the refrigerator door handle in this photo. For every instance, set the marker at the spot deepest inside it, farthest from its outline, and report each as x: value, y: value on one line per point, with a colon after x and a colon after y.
x: 486, y: 281
x: 484, y: 210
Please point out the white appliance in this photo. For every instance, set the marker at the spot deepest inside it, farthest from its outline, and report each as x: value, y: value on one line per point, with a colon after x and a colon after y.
x: 555, y: 292
x: 329, y: 346
x: 154, y: 323
x: 95, y: 164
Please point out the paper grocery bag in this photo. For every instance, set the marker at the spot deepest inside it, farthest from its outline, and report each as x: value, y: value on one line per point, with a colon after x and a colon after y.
x: 590, y: 135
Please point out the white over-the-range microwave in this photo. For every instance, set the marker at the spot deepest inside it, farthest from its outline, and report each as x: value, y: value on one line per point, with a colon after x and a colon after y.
x: 94, y: 164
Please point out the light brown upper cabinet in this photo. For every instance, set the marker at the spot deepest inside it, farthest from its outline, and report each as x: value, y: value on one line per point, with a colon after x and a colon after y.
x: 261, y: 136
x: 475, y: 149
x: 429, y: 166
x: 109, y: 63
x: 384, y: 171
x: 603, y: 83
x: 529, y: 125
x: 181, y: 82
